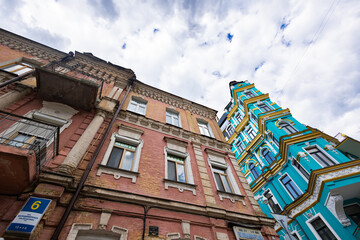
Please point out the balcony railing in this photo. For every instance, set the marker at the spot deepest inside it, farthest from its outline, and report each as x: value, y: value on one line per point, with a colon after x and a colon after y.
x: 26, y: 133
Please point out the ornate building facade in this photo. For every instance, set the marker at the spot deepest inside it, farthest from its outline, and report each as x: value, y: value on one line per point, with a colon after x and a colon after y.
x: 298, y: 174
x: 87, y: 151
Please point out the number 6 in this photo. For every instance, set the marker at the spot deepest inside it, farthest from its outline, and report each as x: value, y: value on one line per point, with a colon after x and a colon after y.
x: 35, y: 205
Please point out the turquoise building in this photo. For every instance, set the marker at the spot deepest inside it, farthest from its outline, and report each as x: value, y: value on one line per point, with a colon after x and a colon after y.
x: 297, y: 173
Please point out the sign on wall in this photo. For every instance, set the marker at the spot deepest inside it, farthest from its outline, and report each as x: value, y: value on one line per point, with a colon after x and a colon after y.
x: 247, y: 233
x: 29, y: 216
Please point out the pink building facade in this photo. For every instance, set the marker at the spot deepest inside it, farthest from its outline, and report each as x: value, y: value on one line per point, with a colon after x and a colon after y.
x: 118, y: 159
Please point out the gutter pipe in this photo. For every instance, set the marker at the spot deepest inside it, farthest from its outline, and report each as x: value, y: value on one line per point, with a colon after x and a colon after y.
x: 89, y: 167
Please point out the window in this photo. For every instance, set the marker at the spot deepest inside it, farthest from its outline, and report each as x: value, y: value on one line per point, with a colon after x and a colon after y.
x: 295, y: 235
x: 137, y: 105
x: 253, y: 116
x: 254, y: 171
x: 322, y: 229
x: 301, y: 169
x: 240, y: 145
x: 250, y: 132
x: 176, y: 168
x: 249, y: 94
x: 275, y: 207
x: 288, y: 128
x: 178, y: 173
x: 122, y: 156
x: 230, y: 130
x: 17, y: 67
x: 268, y: 155
x: 173, y: 118
x: 353, y: 211
x: 223, y: 177
x: 238, y: 117
x: 320, y: 156
x: 290, y: 186
x: 204, y: 128
x: 264, y: 107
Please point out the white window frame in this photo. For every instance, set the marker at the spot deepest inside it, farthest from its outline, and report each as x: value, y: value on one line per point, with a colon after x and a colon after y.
x: 281, y: 126
x: 217, y: 160
x: 263, y: 104
x: 205, y: 125
x: 323, y: 152
x: 172, y: 114
x: 298, y: 170
x: 26, y: 62
x: 250, y: 92
x: 137, y: 101
x: 312, y: 229
x: 282, y: 184
x: 238, y: 116
x: 230, y: 128
x: 262, y: 149
x: 273, y: 198
x: 242, y: 144
x: 76, y: 227
x: 178, y: 148
x: 296, y: 233
x: 118, y: 173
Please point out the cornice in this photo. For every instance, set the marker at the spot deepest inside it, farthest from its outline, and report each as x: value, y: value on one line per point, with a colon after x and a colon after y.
x: 28, y: 46
x: 110, y: 194
x: 86, y: 65
x: 173, y: 131
x: 316, y: 185
x: 173, y: 100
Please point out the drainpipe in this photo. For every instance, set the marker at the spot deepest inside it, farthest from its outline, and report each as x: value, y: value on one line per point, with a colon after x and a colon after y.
x: 20, y: 77
x: 146, y: 210
x: 89, y: 167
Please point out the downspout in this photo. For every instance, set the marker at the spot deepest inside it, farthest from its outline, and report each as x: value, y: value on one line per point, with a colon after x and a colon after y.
x: 146, y: 210
x: 20, y: 77
x: 89, y: 167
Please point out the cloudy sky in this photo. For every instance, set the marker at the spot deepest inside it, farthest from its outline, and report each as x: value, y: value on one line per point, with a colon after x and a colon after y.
x: 305, y: 54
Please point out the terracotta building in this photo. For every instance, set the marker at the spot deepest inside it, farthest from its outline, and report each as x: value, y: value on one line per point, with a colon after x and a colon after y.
x: 87, y: 151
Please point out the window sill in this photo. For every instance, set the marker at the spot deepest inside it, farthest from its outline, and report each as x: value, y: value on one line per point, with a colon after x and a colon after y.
x: 232, y: 196
x: 180, y: 186
x: 117, y: 173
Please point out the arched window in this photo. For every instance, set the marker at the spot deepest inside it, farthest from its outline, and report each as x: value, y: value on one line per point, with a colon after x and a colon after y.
x: 268, y: 155
x: 255, y: 172
x: 289, y: 129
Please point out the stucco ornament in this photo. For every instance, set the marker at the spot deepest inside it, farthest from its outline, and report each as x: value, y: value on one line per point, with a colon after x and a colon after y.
x: 336, y: 207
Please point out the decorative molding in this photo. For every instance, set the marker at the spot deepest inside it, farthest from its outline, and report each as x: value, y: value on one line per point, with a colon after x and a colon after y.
x: 173, y: 131
x: 174, y: 100
x: 313, y: 198
x: 75, y: 229
x: 172, y: 236
x: 122, y: 231
x: 180, y: 186
x: 231, y: 196
x: 117, y: 172
x: 335, y: 205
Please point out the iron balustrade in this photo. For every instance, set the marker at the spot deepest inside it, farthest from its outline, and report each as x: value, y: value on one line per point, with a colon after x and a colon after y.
x: 26, y: 133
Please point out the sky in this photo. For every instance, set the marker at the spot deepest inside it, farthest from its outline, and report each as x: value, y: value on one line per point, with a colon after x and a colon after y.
x: 305, y: 54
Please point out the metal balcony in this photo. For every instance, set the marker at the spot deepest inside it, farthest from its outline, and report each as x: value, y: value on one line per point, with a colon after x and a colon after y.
x: 25, y: 145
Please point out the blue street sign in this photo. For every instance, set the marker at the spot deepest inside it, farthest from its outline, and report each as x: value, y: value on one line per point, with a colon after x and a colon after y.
x: 29, y: 216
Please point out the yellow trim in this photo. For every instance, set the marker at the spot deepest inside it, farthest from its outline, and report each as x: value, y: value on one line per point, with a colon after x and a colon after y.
x: 272, y: 103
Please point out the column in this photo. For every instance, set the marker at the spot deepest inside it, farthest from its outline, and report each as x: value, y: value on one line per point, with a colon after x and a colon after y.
x: 77, y: 152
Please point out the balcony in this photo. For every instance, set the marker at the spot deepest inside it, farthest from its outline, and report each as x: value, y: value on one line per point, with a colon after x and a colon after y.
x: 25, y: 145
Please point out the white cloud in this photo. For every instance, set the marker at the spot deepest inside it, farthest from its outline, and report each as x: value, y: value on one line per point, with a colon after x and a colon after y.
x: 316, y: 76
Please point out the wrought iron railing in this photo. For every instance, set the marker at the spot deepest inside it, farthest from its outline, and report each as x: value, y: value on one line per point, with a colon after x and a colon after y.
x: 26, y: 133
